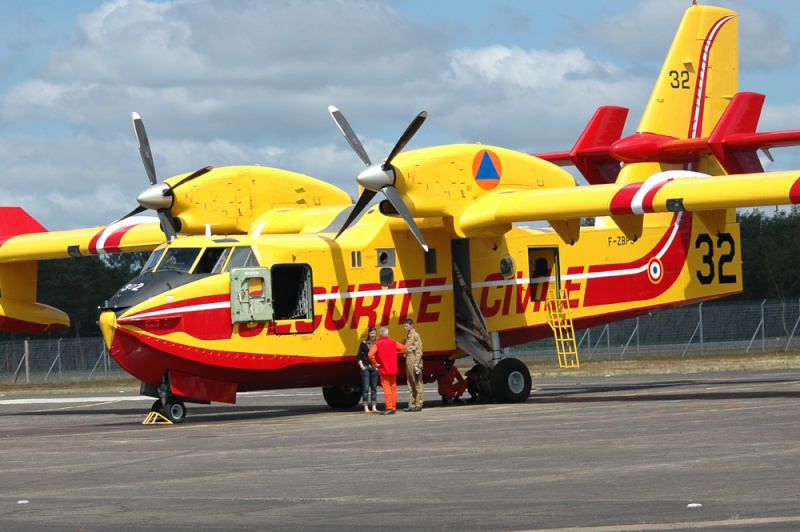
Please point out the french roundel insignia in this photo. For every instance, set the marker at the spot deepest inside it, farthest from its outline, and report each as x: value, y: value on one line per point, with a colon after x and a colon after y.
x: 486, y: 169
x: 655, y: 270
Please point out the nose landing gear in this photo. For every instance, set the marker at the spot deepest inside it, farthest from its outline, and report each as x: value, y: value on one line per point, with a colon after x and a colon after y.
x: 173, y: 410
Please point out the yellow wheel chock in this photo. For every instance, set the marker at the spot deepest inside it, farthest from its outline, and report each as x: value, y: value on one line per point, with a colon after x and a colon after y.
x: 155, y: 418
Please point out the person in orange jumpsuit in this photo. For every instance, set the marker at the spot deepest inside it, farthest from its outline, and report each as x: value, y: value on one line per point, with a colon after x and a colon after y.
x: 451, y: 384
x: 383, y: 355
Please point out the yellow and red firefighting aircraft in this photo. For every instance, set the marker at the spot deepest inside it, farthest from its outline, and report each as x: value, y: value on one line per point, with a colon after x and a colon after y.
x: 280, y: 290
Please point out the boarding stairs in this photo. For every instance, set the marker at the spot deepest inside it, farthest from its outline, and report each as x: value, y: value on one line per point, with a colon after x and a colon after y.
x: 560, y: 320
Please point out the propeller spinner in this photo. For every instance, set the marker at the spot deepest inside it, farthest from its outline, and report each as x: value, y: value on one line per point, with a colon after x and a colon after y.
x: 158, y: 196
x: 379, y: 177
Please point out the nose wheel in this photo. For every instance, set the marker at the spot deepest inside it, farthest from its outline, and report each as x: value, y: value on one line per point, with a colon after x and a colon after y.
x: 173, y: 409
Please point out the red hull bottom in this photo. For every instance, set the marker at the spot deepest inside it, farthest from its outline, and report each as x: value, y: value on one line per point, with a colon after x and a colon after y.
x: 210, y: 376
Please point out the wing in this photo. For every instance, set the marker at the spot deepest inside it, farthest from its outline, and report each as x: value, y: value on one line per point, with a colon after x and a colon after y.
x: 137, y: 233
x: 23, y: 242
x: 670, y: 191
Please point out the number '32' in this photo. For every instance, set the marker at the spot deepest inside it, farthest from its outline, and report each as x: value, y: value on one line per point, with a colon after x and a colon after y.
x: 712, y: 268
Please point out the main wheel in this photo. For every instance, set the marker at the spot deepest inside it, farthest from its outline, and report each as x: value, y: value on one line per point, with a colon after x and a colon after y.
x: 511, y: 381
x: 174, y: 410
x: 342, y: 396
x: 156, y: 406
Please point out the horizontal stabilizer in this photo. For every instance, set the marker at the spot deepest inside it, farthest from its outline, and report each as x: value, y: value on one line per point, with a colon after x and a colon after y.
x: 734, y: 140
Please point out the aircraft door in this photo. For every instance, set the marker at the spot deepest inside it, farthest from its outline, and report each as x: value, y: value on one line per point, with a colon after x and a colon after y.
x: 469, y: 318
x: 545, y: 272
x: 462, y: 283
x: 251, y: 295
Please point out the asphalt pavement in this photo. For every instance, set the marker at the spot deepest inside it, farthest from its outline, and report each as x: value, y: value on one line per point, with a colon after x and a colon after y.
x: 717, y: 451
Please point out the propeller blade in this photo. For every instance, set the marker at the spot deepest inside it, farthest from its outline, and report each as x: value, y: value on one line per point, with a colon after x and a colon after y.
x: 361, y: 204
x: 134, y: 212
x: 144, y: 147
x: 397, y: 202
x: 191, y: 176
x: 167, y: 224
x: 348, y: 133
x: 405, y: 137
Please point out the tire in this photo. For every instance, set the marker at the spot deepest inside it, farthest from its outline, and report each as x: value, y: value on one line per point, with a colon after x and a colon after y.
x: 156, y: 406
x: 510, y: 381
x: 174, y: 410
x: 342, y: 396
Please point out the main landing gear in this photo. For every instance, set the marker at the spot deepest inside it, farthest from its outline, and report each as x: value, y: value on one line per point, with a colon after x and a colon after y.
x: 510, y: 381
x: 341, y: 396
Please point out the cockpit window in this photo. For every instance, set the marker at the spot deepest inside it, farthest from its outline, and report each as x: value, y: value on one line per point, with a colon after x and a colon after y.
x: 178, y: 259
x: 242, y: 257
x: 150, y: 265
x: 212, y: 260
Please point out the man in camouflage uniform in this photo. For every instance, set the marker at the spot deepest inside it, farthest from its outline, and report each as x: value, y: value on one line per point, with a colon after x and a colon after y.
x: 414, y: 367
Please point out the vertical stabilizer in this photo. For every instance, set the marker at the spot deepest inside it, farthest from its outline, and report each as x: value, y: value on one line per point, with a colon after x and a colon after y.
x: 697, y: 81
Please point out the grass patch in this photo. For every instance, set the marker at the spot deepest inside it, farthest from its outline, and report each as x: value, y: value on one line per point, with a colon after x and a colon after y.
x: 115, y: 384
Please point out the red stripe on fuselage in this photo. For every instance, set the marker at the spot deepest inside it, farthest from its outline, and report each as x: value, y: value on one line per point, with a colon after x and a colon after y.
x: 191, y: 318
x: 630, y: 281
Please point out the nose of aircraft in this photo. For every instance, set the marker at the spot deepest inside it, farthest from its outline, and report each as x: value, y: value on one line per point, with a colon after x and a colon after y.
x: 108, y: 323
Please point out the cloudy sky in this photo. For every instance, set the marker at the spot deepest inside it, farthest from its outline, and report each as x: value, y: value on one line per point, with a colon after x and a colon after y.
x: 248, y: 82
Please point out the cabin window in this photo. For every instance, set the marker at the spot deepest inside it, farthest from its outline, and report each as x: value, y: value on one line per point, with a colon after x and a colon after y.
x: 386, y: 258
x: 507, y: 267
x: 292, y: 294
x: 242, y: 257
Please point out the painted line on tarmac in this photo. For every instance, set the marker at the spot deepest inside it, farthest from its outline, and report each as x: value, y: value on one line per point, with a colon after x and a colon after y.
x: 117, y: 398
x: 686, y: 525
x: 68, y: 400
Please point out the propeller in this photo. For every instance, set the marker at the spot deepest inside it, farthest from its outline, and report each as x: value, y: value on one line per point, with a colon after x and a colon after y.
x: 158, y: 196
x: 379, y: 177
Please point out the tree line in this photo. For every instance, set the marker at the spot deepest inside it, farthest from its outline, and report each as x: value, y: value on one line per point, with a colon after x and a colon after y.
x: 770, y: 267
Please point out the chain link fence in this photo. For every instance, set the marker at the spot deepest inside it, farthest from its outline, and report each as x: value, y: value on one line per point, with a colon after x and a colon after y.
x: 704, y: 329
x: 769, y: 326
x: 56, y: 360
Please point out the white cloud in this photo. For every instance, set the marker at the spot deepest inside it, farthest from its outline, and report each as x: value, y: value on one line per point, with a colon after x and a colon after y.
x: 223, y: 83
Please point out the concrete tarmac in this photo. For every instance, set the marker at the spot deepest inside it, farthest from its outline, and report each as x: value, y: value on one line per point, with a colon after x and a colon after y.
x: 716, y: 451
